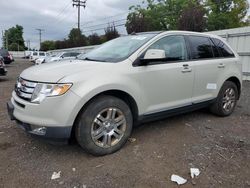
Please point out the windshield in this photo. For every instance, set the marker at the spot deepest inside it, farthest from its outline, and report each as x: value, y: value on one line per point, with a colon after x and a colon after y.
x: 118, y: 49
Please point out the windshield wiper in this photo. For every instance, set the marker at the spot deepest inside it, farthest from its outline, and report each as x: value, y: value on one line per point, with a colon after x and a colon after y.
x: 89, y: 59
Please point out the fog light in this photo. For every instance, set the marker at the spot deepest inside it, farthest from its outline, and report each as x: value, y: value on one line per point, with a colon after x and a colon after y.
x: 39, y: 131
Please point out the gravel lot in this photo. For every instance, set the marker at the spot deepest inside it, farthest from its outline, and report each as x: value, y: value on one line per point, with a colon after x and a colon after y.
x: 219, y: 147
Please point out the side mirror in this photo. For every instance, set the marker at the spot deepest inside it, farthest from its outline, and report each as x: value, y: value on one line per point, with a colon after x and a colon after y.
x: 153, y: 55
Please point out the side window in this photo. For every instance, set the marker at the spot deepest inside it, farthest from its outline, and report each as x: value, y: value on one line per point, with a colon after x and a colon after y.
x: 74, y: 54
x: 174, y: 47
x: 223, y: 48
x: 67, y: 55
x: 216, y: 50
x: 41, y: 54
x: 200, y: 47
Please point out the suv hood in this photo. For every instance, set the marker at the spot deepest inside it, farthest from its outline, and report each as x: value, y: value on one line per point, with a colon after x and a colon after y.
x: 53, y: 72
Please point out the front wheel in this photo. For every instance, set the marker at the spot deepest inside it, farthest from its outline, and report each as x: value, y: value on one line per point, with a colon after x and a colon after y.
x: 104, y: 125
x: 226, y: 100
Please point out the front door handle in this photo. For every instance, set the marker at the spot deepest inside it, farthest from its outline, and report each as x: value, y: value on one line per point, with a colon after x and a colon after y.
x: 186, y: 68
x: 221, y: 65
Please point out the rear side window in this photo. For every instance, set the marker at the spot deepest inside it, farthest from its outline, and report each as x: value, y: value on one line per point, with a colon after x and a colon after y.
x: 216, y: 50
x: 200, y: 47
x: 223, y: 48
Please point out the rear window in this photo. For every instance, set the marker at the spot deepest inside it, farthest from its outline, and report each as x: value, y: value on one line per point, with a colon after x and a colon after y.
x: 223, y: 48
x: 200, y: 47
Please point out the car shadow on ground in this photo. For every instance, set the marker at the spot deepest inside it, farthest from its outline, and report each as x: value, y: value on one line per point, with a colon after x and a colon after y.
x: 4, y: 79
x: 72, y: 147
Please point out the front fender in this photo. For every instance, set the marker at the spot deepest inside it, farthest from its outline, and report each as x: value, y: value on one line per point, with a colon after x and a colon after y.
x: 87, y: 90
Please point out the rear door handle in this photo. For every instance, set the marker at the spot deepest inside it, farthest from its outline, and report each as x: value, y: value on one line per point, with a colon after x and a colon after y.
x: 186, y: 68
x: 221, y: 65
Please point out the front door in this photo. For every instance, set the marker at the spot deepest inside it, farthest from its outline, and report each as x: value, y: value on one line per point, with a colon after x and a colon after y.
x: 167, y: 84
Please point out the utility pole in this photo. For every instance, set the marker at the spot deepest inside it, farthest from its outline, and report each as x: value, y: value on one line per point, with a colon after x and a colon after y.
x: 2, y: 39
x: 40, y: 35
x: 79, y: 4
x: 5, y: 36
x: 28, y: 44
x: 6, y: 39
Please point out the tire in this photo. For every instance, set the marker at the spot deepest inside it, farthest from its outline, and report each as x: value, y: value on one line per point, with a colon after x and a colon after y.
x: 95, y: 121
x: 218, y: 107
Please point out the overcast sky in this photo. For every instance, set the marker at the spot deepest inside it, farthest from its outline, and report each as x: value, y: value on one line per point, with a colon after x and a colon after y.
x: 57, y: 17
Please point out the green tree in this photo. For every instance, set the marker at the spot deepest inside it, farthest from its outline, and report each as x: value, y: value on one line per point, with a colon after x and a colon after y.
x: 193, y: 15
x: 225, y: 14
x: 13, y: 39
x: 138, y: 22
x: 76, y: 38
x: 48, y: 45
x: 94, y: 39
x: 111, y: 33
x: 193, y: 18
x: 158, y: 15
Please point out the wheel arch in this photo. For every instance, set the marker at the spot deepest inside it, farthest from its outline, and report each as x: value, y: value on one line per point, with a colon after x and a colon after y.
x: 237, y: 82
x: 127, y: 98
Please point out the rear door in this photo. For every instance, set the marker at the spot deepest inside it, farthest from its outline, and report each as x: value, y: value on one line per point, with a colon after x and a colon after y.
x: 206, y: 61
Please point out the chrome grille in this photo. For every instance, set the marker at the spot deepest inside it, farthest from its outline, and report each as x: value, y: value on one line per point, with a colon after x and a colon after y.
x: 24, y: 89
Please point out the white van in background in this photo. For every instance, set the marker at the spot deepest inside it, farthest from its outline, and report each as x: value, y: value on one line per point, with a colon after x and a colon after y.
x: 37, y: 54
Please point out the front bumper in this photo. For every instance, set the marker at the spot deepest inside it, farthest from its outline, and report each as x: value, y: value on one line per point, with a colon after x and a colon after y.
x: 57, y: 134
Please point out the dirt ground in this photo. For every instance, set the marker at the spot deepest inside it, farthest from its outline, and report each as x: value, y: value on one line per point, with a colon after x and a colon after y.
x: 219, y: 147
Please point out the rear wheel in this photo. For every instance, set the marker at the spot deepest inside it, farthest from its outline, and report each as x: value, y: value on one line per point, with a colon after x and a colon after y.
x: 226, y: 100
x: 104, y: 126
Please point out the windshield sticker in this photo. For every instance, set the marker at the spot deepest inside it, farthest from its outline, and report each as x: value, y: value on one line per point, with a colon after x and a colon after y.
x: 138, y: 38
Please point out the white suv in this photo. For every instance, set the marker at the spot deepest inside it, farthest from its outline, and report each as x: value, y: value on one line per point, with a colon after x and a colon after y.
x: 126, y: 81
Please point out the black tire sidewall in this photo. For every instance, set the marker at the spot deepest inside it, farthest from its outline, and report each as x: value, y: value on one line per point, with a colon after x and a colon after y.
x: 219, y: 101
x: 86, y: 118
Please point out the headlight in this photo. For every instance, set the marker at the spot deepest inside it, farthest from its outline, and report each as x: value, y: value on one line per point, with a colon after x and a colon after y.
x: 48, y: 90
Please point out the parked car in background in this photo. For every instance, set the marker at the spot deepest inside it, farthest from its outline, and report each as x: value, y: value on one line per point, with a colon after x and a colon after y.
x: 3, y: 70
x: 62, y: 56
x: 8, y: 58
x: 40, y: 61
x: 36, y: 55
x: 129, y: 80
x: 27, y: 54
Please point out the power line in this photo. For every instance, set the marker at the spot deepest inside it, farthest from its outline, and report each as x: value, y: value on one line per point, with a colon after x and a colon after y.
x: 79, y: 4
x: 105, y: 23
x: 103, y: 28
x: 60, y: 12
x: 91, y: 21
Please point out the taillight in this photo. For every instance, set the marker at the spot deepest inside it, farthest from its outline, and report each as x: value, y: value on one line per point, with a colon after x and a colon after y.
x: 9, y: 56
